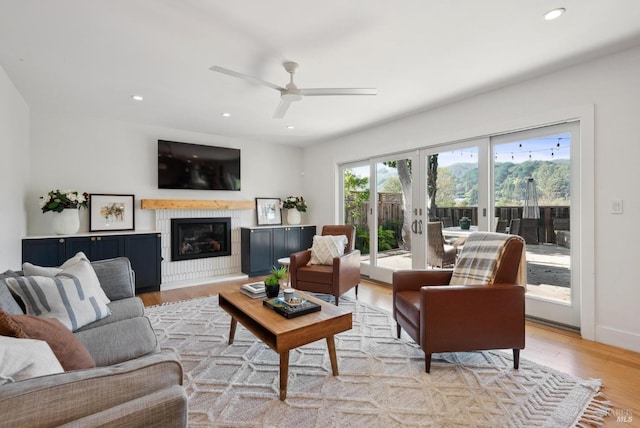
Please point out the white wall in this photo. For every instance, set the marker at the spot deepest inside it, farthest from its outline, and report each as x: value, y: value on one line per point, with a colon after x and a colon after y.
x: 105, y: 156
x: 14, y: 172
x: 610, y: 84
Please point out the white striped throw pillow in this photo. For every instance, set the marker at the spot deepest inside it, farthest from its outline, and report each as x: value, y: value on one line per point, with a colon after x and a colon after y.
x: 65, y: 298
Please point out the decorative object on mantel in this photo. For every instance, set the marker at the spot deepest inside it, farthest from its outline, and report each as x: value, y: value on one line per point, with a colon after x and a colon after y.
x: 65, y: 206
x: 294, y: 206
x: 268, y: 211
x: 111, y: 212
x: 196, y: 204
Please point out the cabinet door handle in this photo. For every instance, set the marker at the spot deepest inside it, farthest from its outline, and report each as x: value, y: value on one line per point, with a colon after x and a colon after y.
x: 93, y: 238
x: 61, y: 240
x: 99, y: 238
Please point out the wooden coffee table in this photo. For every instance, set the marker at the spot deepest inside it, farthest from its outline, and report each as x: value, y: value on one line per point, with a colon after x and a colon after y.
x: 282, y: 334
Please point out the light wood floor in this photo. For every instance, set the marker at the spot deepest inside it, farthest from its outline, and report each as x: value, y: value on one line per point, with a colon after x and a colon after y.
x: 562, y: 350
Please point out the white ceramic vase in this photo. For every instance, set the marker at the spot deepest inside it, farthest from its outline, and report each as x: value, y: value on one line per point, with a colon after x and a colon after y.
x: 66, y: 222
x: 293, y: 216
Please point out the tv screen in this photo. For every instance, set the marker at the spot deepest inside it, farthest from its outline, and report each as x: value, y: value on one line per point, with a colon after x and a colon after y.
x: 195, y: 166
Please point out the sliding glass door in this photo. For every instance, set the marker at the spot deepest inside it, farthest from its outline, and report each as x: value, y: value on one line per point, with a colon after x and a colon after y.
x: 534, y: 187
x: 523, y: 183
x: 453, y: 196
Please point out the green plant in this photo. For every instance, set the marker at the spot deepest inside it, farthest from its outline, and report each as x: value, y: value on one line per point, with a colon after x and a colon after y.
x: 57, y: 201
x: 275, y: 276
x: 386, y: 239
x: 296, y: 202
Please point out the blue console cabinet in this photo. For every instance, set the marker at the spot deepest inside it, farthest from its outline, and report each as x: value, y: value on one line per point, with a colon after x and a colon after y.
x: 142, y: 249
x: 261, y: 247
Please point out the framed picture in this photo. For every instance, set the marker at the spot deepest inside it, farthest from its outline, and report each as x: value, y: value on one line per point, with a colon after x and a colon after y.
x: 111, y: 212
x: 268, y: 211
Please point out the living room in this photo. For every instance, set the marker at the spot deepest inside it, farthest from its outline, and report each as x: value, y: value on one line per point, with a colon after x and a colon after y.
x: 46, y: 146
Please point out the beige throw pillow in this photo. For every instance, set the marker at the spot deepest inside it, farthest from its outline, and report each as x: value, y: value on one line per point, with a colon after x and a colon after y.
x: 68, y: 349
x: 22, y: 359
x: 326, y: 247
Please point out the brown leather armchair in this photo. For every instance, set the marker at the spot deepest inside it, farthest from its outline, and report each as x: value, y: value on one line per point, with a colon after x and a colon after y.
x: 335, y: 279
x: 456, y: 318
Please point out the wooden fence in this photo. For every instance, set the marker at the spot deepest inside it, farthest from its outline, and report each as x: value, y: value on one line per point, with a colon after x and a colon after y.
x: 390, y: 212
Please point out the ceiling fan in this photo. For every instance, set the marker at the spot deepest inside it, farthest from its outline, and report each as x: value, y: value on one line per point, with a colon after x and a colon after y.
x: 291, y: 93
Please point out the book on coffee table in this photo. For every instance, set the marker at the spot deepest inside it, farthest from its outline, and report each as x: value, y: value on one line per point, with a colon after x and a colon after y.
x: 291, y: 310
x: 254, y: 290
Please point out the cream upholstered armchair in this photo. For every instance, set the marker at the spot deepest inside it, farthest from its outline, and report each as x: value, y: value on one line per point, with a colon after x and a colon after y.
x: 337, y: 276
x: 479, y: 305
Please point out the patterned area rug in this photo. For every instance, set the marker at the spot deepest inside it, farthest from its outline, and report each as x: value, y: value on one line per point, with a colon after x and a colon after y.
x: 381, y: 383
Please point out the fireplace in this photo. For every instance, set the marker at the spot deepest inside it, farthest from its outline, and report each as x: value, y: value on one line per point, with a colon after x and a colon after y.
x: 196, y: 238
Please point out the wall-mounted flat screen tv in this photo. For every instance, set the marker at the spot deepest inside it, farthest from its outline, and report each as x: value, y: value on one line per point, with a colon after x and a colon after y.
x: 196, y: 166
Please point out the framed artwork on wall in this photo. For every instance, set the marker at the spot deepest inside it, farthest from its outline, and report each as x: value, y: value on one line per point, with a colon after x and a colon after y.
x: 268, y: 211
x: 111, y: 212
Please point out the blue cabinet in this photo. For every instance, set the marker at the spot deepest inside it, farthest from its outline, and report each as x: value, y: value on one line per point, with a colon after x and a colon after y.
x: 261, y: 247
x: 142, y: 249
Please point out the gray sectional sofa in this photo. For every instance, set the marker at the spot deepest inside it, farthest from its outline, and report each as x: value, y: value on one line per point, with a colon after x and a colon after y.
x: 133, y: 383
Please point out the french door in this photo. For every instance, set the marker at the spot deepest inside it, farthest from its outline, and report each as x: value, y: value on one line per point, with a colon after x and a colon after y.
x: 378, y: 198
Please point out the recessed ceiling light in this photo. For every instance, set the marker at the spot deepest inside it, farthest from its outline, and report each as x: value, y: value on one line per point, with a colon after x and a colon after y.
x: 290, y: 127
x: 137, y: 97
x: 555, y: 13
x: 225, y: 114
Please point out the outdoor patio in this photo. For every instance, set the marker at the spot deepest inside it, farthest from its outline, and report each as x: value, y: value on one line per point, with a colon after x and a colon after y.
x: 548, y: 269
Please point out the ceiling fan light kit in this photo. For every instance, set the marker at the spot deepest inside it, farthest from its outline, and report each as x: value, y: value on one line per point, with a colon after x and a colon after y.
x: 291, y: 93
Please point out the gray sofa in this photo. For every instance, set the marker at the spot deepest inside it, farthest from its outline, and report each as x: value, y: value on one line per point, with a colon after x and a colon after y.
x: 133, y: 384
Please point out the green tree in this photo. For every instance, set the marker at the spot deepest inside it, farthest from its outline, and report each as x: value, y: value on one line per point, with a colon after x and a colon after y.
x: 432, y: 186
x: 446, y: 188
x: 391, y: 185
x: 356, y: 193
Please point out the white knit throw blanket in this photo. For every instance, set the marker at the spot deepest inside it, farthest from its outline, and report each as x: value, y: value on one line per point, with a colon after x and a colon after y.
x: 479, y: 260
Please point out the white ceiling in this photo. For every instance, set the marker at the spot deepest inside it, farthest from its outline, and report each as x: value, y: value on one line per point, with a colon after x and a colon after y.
x: 87, y: 57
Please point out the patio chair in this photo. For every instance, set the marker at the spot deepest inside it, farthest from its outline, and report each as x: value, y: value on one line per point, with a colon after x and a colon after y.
x: 477, y: 306
x: 440, y: 254
x: 514, y: 226
x: 501, y: 226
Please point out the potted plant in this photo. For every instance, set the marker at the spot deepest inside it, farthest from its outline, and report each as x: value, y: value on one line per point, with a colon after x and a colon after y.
x: 294, y: 206
x: 66, y: 206
x: 465, y: 223
x: 272, y: 282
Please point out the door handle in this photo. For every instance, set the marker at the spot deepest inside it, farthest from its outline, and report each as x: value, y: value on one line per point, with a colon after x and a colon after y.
x: 414, y: 226
x: 420, y: 227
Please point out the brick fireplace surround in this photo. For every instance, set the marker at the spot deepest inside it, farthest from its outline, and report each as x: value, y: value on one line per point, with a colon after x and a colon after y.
x: 186, y: 273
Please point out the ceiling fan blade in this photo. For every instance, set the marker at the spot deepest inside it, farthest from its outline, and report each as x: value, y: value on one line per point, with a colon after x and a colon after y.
x: 311, y: 92
x: 245, y: 77
x: 281, y: 110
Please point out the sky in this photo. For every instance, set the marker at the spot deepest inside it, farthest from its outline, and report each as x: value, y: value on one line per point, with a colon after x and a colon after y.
x: 551, y: 147
x: 517, y: 152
